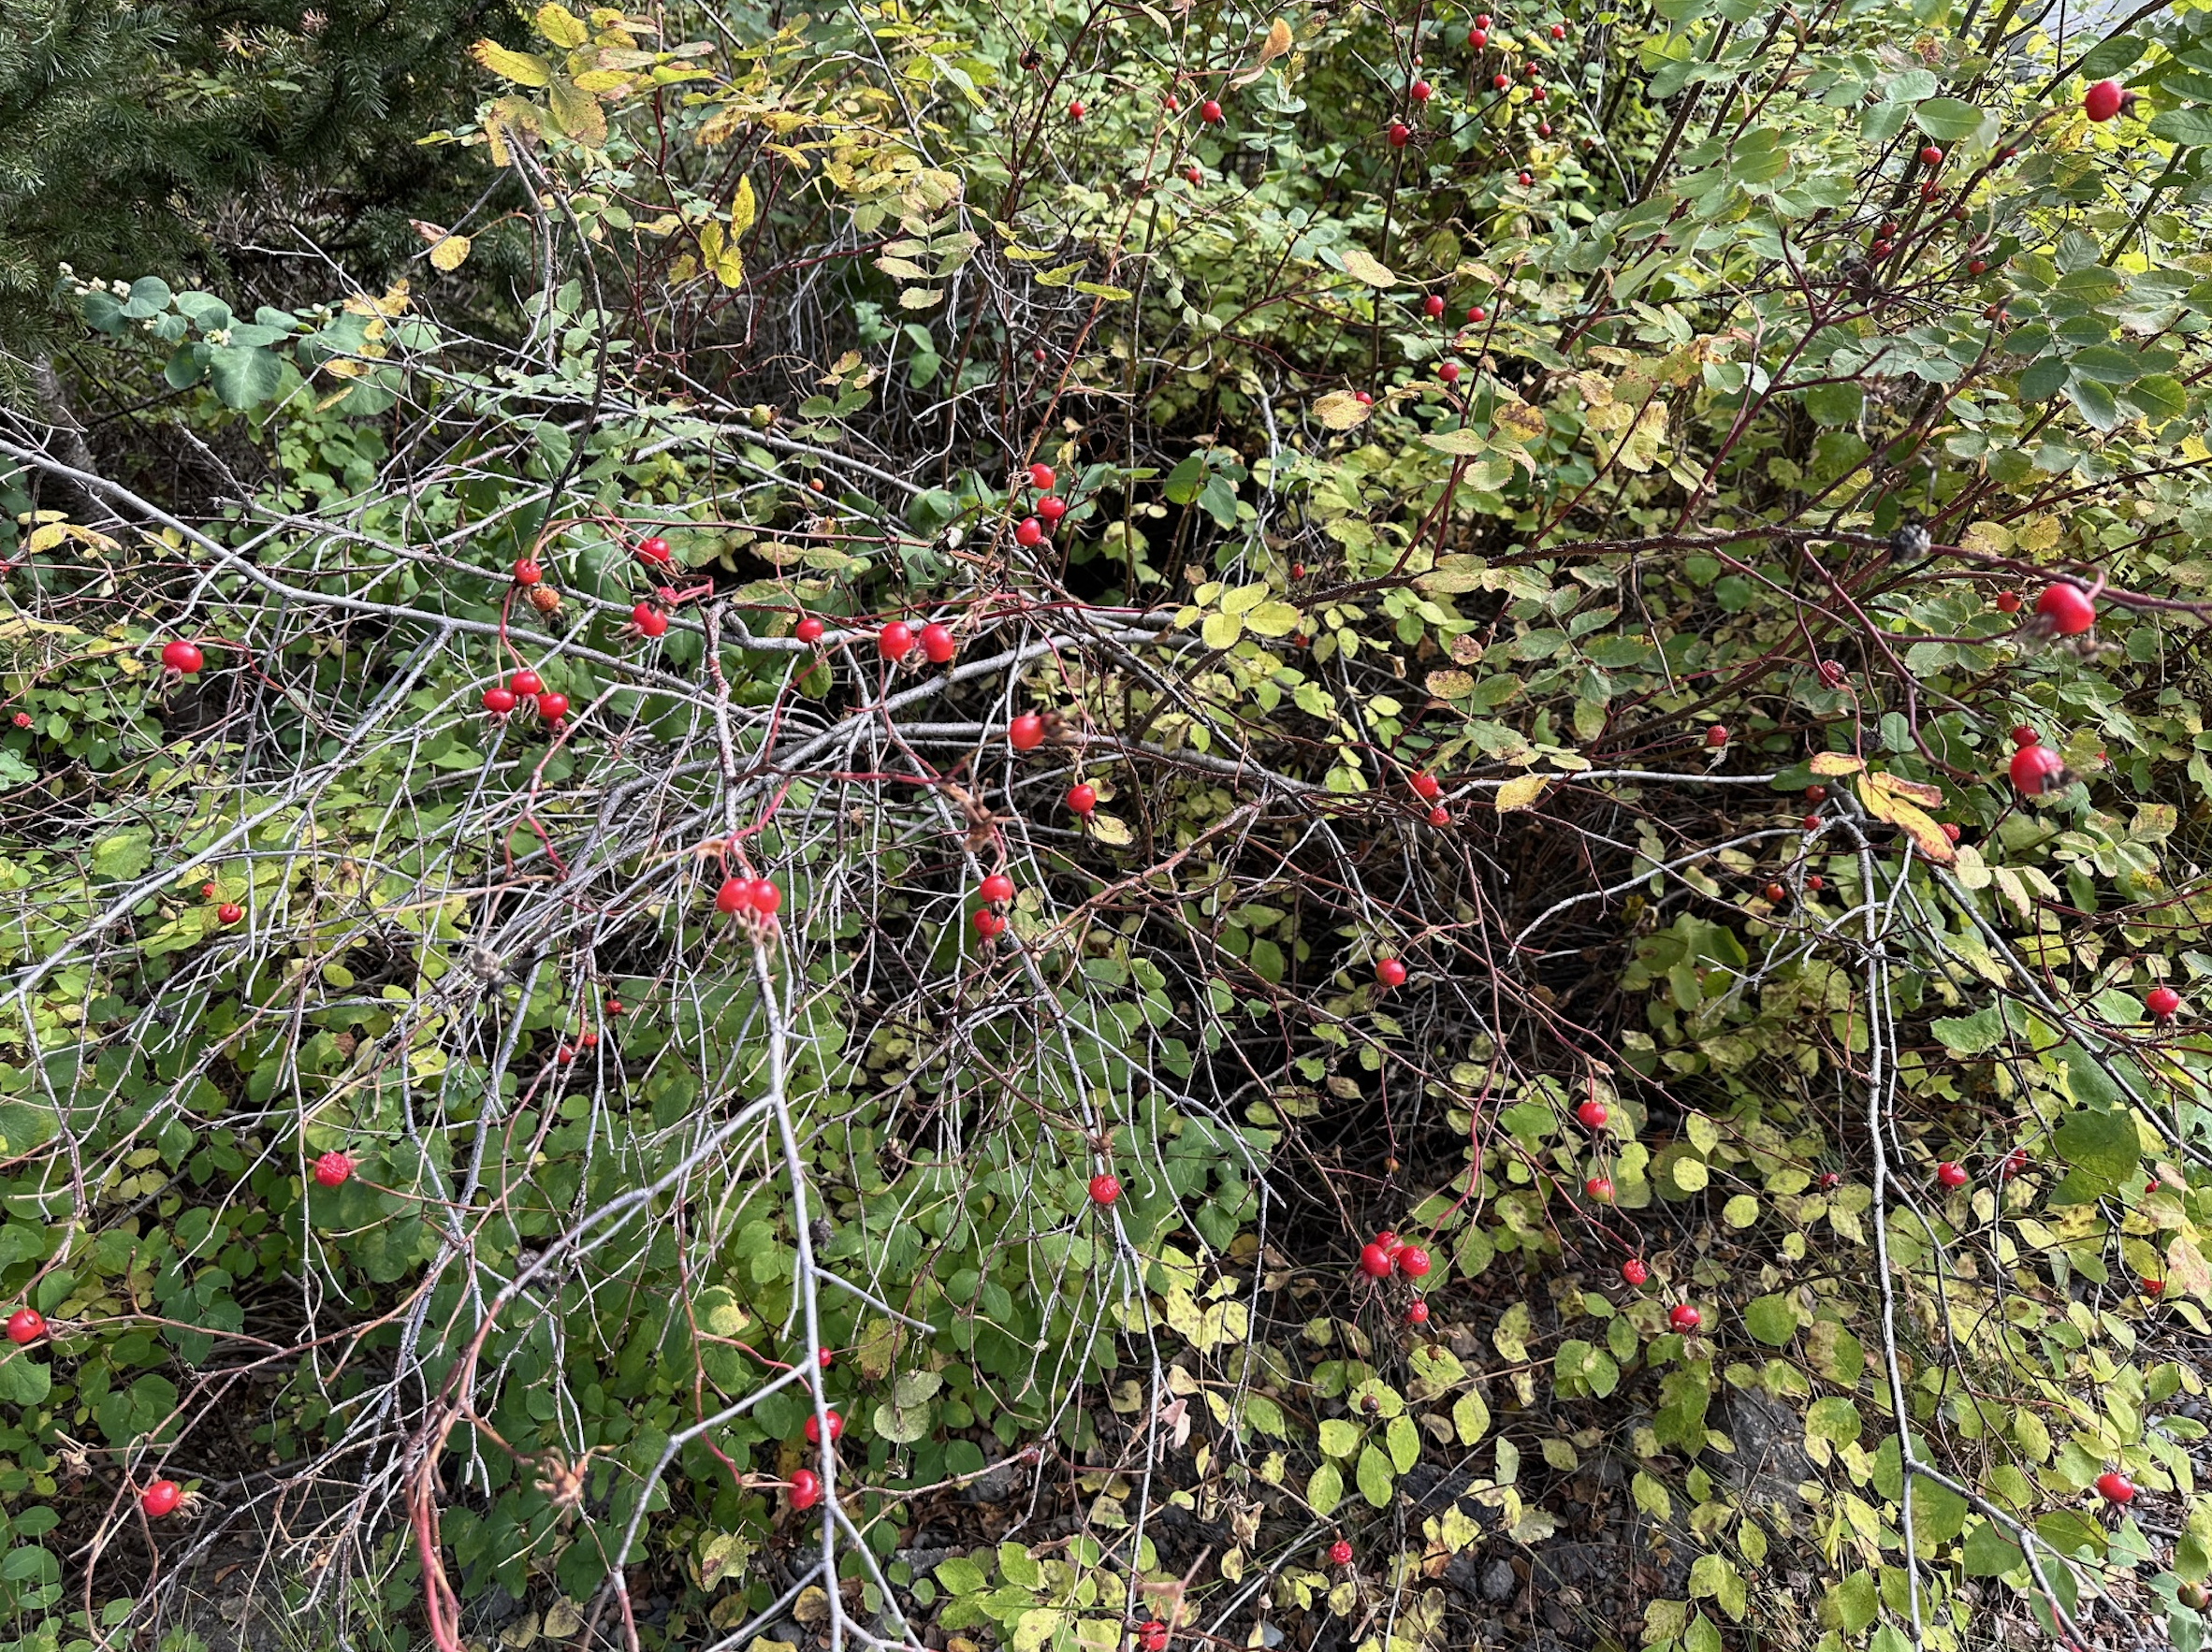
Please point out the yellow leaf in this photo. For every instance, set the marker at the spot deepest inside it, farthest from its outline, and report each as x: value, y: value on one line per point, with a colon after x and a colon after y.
x: 744, y: 209
x: 1448, y: 685
x: 2040, y: 533
x: 1461, y: 442
x: 450, y: 253
x: 1277, y: 43
x: 600, y: 82
x: 1362, y: 266
x: 1340, y: 409
x: 1916, y: 790
x: 561, y: 26
x: 1988, y: 538
x: 730, y: 267
x: 1274, y: 619
x: 1521, y: 793
x: 1885, y: 797
x: 525, y: 69
x: 579, y: 112
x: 1221, y: 631
x: 1835, y: 762
x: 1519, y: 423
x: 1111, y: 831
x: 2186, y: 1268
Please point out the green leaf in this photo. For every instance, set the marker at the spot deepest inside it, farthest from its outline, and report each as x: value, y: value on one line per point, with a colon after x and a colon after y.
x: 1404, y: 1441
x: 1971, y: 1035
x: 244, y: 377
x: 1339, y: 1438
x: 2191, y: 125
x: 23, y: 1378
x: 2108, y: 57
x: 1771, y: 1320
x: 2102, y: 1145
x: 1938, y: 1512
x: 1834, y: 404
x: 1325, y: 1489
x: 1989, y: 1553
x: 1375, y: 1476
x: 1832, y: 1419
x: 2043, y: 379
x: 1947, y: 119
x: 2158, y: 397
x: 1470, y: 1419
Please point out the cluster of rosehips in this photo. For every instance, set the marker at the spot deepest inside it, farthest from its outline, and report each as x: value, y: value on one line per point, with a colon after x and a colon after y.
x: 2036, y: 768
x: 526, y: 684
x: 1429, y: 788
x: 758, y: 895
x: 895, y: 641
x: 990, y: 918
x: 1032, y: 530
x: 1386, y: 1254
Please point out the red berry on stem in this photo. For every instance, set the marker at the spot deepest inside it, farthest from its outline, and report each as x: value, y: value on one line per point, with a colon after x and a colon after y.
x: 988, y: 924
x: 1449, y: 373
x: 1931, y: 156
x: 1816, y: 794
x: 2066, y: 609
x: 1105, y: 1188
x: 808, y: 630
x: 2036, y: 770
x: 1682, y: 1317
x: 1427, y: 786
x: 22, y: 719
x: 2152, y: 1288
x: 182, y: 658
x: 1399, y: 133
x: 735, y: 895
x: 1951, y: 830
x: 1419, y: 91
x: 1082, y: 798
x: 2115, y: 1487
x: 1439, y: 815
x: 1390, y: 972
x: 763, y: 896
x: 1051, y: 507
x: 524, y: 683
x: 25, y: 1324
x: 229, y: 912
x: 1593, y: 1115
x: 1028, y: 532
x: 1374, y: 1261
x: 1025, y: 733
x: 1775, y: 892
x: 1951, y: 1175
x: 1075, y: 110
x: 1526, y: 181
x: 997, y: 888
x: 2024, y: 735
x: 806, y: 1489
x: 1599, y: 1188
x: 1041, y: 477
x: 896, y: 640
x: 1475, y: 312
x: 653, y: 550
x: 1482, y: 20
x: 1433, y: 306
x: 2008, y: 601
x: 552, y: 707
x: 1717, y: 734
x: 1478, y: 38
x: 649, y: 620
x: 1417, y: 1313
x: 333, y: 1170
x: 1414, y: 1262
x: 1501, y: 80
x: 1210, y: 113
x: 938, y: 645
x: 1632, y: 1272
x: 498, y: 701
x: 527, y: 573
x: 2162, y: 1002
x: 1558, y: 30
x: 163, y: 1496
x: 837, y: 1430
x: 2102, y: 101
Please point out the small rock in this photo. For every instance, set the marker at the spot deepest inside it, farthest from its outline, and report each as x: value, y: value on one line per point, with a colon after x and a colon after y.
x: 1498, y: 1582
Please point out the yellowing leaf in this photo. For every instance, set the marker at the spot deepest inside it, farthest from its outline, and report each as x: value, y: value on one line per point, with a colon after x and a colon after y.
x: 1523, y: 792
x: 1274, y: 619
x: 450, y: 253
x: 1518, y: 423
x: 579, y: 112
x: 1340, y: 409
x: 525, y: 69
x: 1988, y: 538
x: 1362, y: 264
x: 1277, y: 43
x: 1461, y: 442
x: 600, y: 82
x: 561, y: 26
x: 1890, y: 798
x: 1221, y: 631
x: 744, y: 209
x: 1835, y: 762
x: 1109, y: 829
x: 1449, y: 685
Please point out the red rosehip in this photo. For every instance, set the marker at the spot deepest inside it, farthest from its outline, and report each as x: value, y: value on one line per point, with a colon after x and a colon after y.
x: 1025, y: 733
x: 989, y: 924
x: 1833, y: 674
x: 2066, y: 609
x: 896, y: 640
x: 997, y: 888
x: 1593, y: 1115
x: 1501, y: 80
x: 2102, y: 101
x: 2035, y: 769
x: 1717, y: 734
x: 1433, y: 306
x: 1482, y: 20
x: 2115, y: 1487
x: 1883, y: 249
x: 1418, y: 90
x: 2008, y: 601
x: 1105, y: 1188
x: 2161, y: 1002
x: 1427, y: 786
x: 1390, y: 1242
x: 1599, y: 1188
x: 1478, y: 38
x: 764, y: 897
x: 1210, y: 113
x: 1977, y: 267
x: 1683, y: 1317
x: 1775, y: 894
x: 527, y: 573
x: 1449, y: 371
x: 22, y: 719
x: 1194, y: 173
x: 1439, y: 815
x: 1816, y: 883
x: 806, y: 1489
x: 2152, y: 1288
x: 1390, y: 972
x: 2024, y: 735
x: 1041, y: 477
x: 653, y: 550
x: 1399, y: 133
x: 1075, y: 110
x: 836, y: 1428
x: 1525, y: 181
x: 938, y: 645
x: 1051, y: 507
x: 1475, y: 312
x: 1632, y: 1272
x: 649, y: 620
x: 1543, y: 128
x: 1558, y: 30
x: 498, y: 701
x: 1417, y: 1311
x: 182, y: 658
x: 229, y: 912
x: 808, y: 630
x: 1951, y: 830
x: 1082, y: 798
x: 1816, y: 794
x: 1931, y: 156
x: 1028, y: 532
x: 524, y: 683
x: 1374, y: 1261
x: 735, y: 895
x: 25, y: 1324
x: 1951, y: 1175
x: 1152, y: 1636
x: 333, y: 1170
x: 1811, y: 822
x: 552, y: 707
x: 1413, y: 1262
x: 588, y: 1040
x: 163, y: 1496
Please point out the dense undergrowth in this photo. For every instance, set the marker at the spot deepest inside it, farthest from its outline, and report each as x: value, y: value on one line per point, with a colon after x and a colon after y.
x: 1506, y: 595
